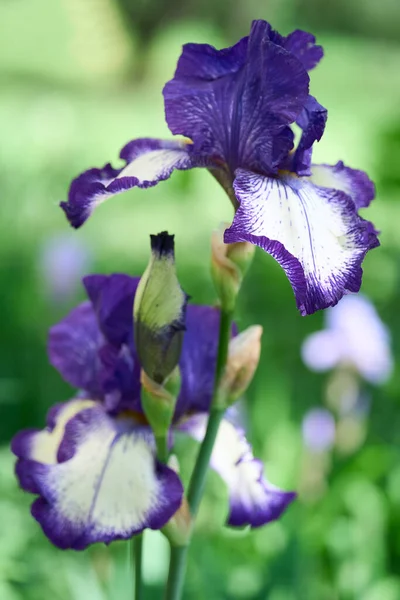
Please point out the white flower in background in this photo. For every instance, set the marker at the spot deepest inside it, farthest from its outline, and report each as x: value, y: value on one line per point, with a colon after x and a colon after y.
x: 355, y: 337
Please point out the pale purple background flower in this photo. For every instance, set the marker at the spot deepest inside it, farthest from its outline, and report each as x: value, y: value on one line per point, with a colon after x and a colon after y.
x: 318, y: 429
x: 63, y: 261
x: 355, y: 336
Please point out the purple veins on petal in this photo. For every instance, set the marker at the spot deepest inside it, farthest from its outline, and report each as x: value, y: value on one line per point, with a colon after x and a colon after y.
x: 236, y: 107
x: 320, y: 242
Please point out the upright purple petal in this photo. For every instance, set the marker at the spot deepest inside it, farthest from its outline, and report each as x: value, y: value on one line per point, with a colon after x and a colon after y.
x: 73, y: 347
x: 302, y: 45
x: 253, y: 499
x: 312, y: 120
x: 198, y: 359
x: 205, y: 62
x: 238, y: 110
x: 112, y: 299
x: 313, y: 232
x: 147, y: 161
x: 353, y: 182
x: 106, y: 484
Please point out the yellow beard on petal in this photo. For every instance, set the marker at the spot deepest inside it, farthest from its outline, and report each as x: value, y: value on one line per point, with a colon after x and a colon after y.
x: 45, y: 443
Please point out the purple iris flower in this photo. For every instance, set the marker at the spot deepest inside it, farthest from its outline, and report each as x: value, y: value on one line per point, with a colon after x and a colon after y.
x: 237, y: 106
x: 94, y: 467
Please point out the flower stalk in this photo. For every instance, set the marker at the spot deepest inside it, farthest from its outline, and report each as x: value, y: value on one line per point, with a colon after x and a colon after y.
x: 138, y: 559
x: 179, y: 553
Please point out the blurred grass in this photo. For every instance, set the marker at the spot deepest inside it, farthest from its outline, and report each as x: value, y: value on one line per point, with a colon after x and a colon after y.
x: 60, y: 114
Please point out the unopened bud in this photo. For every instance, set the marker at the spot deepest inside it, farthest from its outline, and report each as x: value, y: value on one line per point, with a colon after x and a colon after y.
x: 243, y: 357
x: 179, y: 528
x: 159, y: 311
x: 158, y: 401
x: 229, y: 264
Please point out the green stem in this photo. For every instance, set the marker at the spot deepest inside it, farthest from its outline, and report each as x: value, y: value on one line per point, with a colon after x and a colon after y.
x: 197, y: 482
x: 162, y: 448
x: 176, y: 574
x: 198, y: 479
x: 138, y: 554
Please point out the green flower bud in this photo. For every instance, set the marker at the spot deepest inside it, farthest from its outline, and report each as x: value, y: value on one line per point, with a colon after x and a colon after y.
x: 159, y: 311
x: 243, y: 358
x: 229, y: 264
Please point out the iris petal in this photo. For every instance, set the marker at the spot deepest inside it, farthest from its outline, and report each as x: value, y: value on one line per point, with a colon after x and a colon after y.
x: 73, y: 347
x: 314, y: 233
x: 148, y: 161
x: 253, y: 499
x: 106, y: 484
x: 353, y: 182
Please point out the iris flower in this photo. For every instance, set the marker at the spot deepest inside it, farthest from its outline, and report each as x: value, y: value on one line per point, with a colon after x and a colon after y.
x: 354, y: 337
x: 237, y: 106
x: 93, y: 468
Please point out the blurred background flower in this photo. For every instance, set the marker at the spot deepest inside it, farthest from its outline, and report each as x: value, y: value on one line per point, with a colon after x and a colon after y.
x: 355, y: 338
x: 63, y: 260
x: 75, y: 76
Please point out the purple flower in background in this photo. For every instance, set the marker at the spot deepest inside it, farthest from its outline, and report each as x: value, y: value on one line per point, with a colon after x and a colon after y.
x: 354, y: 336
x: 94, y: 467
x: 318, y: 429
x: 63, y: 261
x: 237, y: 106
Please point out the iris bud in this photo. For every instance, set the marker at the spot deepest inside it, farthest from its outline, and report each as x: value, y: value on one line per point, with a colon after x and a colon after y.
x: 243, y: 357
x: 229, y: 264
x: 159, y: 317
x: 159, y: 311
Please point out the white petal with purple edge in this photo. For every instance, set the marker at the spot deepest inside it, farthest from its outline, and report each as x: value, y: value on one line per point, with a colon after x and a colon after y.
x: 353, y: 182
x: 148, y: 161
x: 106, y: 484
x: 253, y: 500
x: 313, y: 232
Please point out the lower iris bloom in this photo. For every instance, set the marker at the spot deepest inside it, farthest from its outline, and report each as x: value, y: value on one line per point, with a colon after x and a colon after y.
x: 238, y: 106
x: 94, y: 467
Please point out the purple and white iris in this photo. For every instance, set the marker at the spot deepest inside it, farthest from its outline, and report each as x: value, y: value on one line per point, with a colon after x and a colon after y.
x: 94, y: 467
x: 237, y: 106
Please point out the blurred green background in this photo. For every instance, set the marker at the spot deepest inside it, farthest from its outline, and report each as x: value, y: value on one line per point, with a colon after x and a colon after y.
x: 80, y: 78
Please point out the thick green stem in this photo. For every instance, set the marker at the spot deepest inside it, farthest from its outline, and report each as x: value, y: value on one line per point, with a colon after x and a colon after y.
x: 197, y: 482
x: 138, y: 554
x: 176, y: 574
